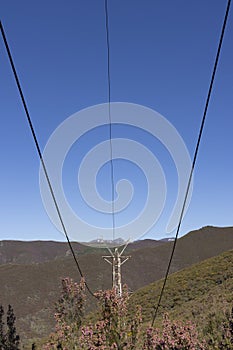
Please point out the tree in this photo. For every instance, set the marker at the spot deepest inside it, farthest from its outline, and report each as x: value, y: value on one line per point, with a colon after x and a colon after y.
x: 2, y: 335
x: 8, y: 340
x: 12, y: 338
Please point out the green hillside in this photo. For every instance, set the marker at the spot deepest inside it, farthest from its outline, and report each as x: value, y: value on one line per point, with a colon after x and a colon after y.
x: 196, y: 293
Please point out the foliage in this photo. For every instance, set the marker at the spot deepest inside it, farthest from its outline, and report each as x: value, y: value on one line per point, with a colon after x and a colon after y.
x: 12, y: 338
x: 68, y: 316
x: 9, y: 340
x: 173, y: 336
x: 201, y: 293
x: 114, y: 329
x: 2, y: 336
x: 219, y: 330
x: 192, y: 292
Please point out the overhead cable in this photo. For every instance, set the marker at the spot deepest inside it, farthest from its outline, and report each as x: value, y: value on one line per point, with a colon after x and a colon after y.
x: 194, y: 158
x: 40, y: 154
x: 110, y: 119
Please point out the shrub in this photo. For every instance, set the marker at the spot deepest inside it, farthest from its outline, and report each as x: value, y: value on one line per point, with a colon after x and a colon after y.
x: 174, y: 335
x: 114, y: 329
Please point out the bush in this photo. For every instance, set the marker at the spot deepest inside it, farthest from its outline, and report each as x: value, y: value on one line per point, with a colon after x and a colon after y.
x: 114, y: 329
x: 173, y: 336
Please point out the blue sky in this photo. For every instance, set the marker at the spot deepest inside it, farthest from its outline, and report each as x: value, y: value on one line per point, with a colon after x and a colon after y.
x: 162, y: 55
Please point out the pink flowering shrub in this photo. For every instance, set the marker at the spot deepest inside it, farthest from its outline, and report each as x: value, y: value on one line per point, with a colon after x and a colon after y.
x: 173, y: 336
x: 115, y: 328
x: 69, y: 315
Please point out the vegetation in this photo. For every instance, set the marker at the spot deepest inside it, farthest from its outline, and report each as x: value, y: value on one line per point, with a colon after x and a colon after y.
x: 201, y: 293
x: 9, y: 340
x: 115, y: 327
x: 173, y: 336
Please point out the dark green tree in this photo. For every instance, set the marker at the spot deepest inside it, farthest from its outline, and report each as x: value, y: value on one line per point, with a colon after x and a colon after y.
x: 2, y: 335
x: 12, y: 338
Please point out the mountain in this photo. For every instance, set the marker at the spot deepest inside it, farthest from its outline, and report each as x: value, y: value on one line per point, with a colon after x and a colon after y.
x: 150, y: 264
x: 30, y: 277
x: 33, y: 252
x: 20, y: 252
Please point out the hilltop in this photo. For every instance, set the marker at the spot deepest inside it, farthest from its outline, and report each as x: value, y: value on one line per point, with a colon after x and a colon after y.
x: 33, y: 252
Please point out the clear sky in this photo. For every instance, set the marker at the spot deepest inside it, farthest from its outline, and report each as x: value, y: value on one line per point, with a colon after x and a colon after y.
x: 161, y: 57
